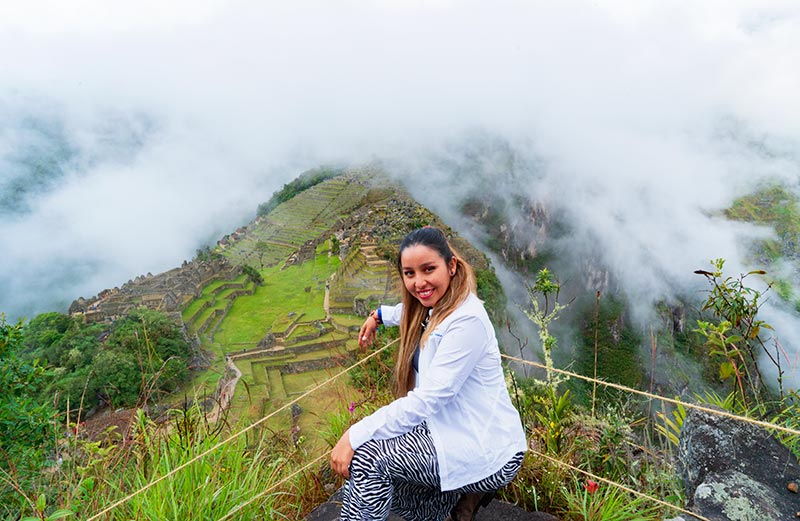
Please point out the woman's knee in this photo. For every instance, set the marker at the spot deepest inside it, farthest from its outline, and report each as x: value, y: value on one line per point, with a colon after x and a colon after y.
x: 366, y: 456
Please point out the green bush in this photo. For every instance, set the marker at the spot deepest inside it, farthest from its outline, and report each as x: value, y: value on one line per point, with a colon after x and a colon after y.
x: 26, y: 424
x: 115, y: 363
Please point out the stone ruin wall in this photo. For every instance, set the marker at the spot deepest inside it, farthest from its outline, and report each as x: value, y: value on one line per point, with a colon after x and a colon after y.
x: 167, y: 291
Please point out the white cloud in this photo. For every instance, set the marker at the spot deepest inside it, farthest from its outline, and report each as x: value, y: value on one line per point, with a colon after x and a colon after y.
x: 183, y: 116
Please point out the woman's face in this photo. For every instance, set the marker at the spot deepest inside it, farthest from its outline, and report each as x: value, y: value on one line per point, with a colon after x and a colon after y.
x: 425, y: 273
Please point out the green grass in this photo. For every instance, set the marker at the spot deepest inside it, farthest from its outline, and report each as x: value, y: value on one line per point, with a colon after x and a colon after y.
x: 283, y: 292
x: 212, y: 287
x: 193, y: 307
x: 305, y: 330
x: 321, y: 354
x: 348, y: 320
x: 210, y: 294
x: 207, y: 489
x: 326, y: 337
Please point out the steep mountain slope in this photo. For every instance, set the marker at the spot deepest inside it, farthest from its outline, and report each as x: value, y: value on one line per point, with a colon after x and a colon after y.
x: 275, y: 304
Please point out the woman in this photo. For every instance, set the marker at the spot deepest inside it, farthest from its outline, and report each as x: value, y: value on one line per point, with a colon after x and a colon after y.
x: 452, y: 437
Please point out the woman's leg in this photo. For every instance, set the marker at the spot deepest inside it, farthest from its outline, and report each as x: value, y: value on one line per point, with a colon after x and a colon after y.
x: 499, y: 479
x: 480, y: 493
x: 400, y: 474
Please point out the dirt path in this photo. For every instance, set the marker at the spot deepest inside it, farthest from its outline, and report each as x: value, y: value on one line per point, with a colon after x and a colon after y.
x: 326, y: 302
x: 226, y: 392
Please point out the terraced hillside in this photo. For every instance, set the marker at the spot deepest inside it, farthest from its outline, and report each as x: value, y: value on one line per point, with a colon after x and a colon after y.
x: 275, y: 238
x: 362, y: 282
x: 323, y: 259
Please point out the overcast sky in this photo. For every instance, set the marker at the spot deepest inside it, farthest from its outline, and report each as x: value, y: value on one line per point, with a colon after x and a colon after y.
x: 175, y: 119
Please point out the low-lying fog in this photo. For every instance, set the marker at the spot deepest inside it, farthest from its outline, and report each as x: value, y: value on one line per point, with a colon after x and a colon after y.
x: 132, y: 134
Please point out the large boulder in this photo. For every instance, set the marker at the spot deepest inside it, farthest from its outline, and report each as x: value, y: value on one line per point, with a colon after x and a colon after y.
x: 734, y: 470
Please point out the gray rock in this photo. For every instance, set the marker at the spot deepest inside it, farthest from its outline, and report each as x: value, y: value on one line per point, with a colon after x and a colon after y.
x: 733, y: 470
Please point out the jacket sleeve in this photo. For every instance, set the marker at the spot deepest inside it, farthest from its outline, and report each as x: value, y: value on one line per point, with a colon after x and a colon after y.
x: 391, y: 315
x: 461, y: 346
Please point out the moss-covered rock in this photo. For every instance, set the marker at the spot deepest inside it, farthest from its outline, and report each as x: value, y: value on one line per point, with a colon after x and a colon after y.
x: 733, y: 470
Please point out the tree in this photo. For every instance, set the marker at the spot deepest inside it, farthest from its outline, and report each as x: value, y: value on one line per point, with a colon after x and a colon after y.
x: 253, y: 274
x: 23, y: 421
x: 25, y: 424
x: 119, y: 376
x: 138, y: 354
x: 154, y: 345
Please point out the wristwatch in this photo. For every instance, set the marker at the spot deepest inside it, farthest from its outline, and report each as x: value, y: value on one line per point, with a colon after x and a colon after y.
x: 376, y: 314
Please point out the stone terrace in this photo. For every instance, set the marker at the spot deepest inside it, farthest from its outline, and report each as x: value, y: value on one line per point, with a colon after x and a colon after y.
x: 168, y: 291
x: 362, y: 281
x: 294, y: 223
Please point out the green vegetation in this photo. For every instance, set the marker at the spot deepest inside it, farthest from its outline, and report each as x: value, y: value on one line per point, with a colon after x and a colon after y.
x: 117, y: 364
x: 25, y: 421
x: 223, y: 482
x: 490, y: 291
x: 612, y: 440
x: 271, y: 324
x: 303, y: 182
x: 546, y: 289
x: 734, y: 332
x: 283, y: 292
x: 618, y: 345
x: 775, y: 206
x: 253, y: 274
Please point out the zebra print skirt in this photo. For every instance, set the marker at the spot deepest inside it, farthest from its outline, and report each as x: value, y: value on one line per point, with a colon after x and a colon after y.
x: 401, y: 475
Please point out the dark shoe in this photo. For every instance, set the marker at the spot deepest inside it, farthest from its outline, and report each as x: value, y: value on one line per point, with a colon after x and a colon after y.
x: 468, y: 504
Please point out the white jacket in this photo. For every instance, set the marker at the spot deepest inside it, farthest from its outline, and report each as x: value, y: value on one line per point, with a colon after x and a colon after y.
x: 461, y: 393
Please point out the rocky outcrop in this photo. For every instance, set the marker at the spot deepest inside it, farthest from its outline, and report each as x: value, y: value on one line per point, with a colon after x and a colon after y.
x: 733, y: 470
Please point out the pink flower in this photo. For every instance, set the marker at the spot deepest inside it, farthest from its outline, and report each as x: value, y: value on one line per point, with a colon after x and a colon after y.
x: 591, y: 486
x: 352, y: 407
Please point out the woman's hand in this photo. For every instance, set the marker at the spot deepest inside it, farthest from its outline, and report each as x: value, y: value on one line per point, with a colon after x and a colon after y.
x: 342, y: 455
x: 368, y: 332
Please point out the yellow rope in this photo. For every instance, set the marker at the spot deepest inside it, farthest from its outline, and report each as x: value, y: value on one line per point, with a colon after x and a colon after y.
x: 234, y: 436
x: 726, y: 414
x: 274, y: 486
x: 618, y: 485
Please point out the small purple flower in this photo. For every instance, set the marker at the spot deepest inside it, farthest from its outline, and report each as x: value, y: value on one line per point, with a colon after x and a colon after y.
x: 352, y: 407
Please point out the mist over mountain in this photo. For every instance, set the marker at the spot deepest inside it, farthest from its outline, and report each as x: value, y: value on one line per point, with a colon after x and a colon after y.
x: 132, y: 135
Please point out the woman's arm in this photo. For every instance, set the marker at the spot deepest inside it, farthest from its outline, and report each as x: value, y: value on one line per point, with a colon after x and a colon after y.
x: 342, y: 455
x: 389, y: 315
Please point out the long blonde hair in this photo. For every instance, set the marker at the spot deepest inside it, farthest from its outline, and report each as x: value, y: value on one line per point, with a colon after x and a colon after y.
x: 462, y: 283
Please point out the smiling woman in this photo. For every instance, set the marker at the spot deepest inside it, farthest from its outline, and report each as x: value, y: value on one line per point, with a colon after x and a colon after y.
x: 452, y: 437
x: 426, y: 275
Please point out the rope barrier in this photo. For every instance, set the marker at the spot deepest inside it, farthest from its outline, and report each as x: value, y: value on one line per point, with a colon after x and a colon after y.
x: 508, y: 357
x: 234, y: 436
x: 273, y: 487
x: 618, y: 485
x: 688, y: 405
